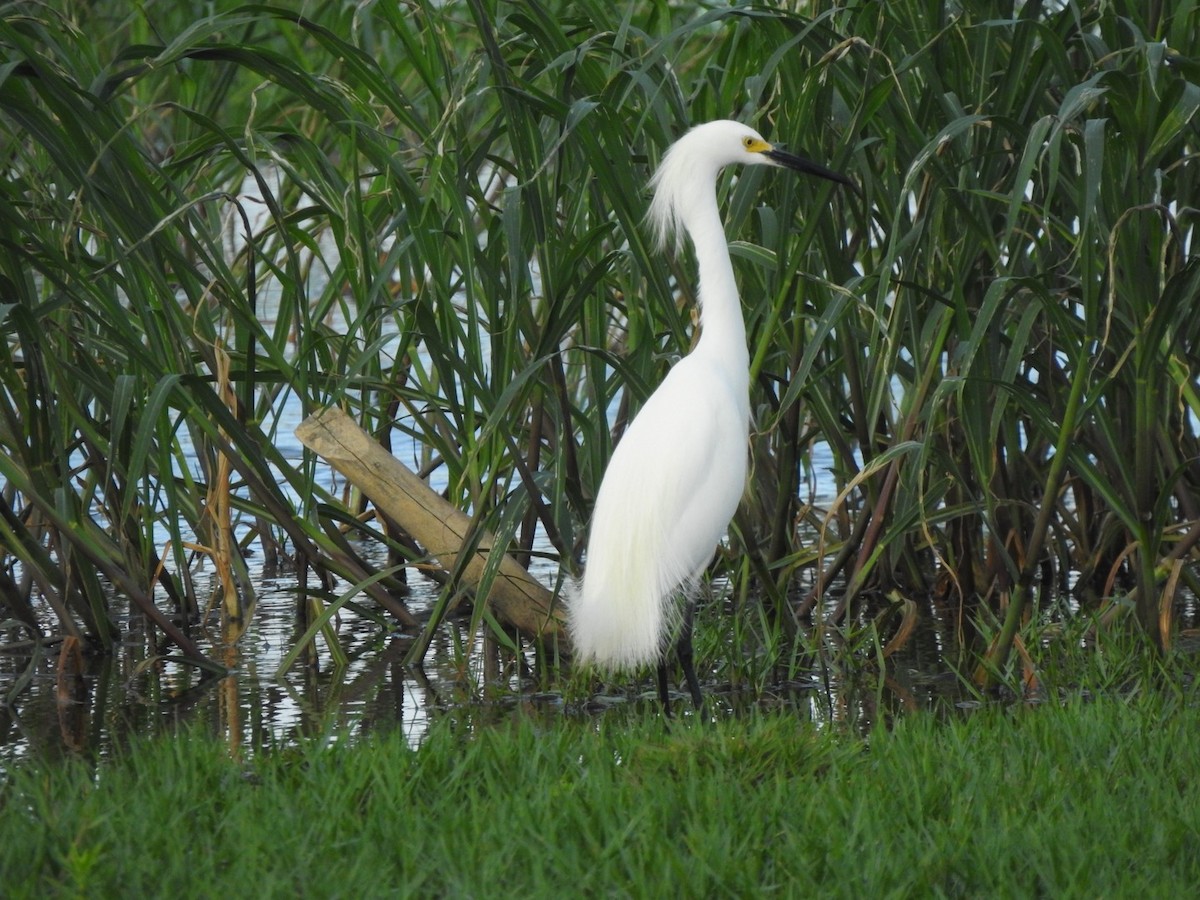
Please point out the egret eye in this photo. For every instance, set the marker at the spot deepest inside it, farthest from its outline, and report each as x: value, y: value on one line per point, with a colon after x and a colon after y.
x: 747, y: 142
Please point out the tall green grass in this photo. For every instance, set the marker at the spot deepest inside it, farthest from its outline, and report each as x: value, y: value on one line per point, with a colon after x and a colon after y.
x: 1081, y: 800
x: 431, y: 215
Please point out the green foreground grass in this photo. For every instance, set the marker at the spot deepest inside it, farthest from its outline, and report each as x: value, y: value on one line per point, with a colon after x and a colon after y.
x: 1087, y: 798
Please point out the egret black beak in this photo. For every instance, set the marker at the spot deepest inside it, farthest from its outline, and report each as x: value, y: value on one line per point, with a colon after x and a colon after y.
x: 807, y: 166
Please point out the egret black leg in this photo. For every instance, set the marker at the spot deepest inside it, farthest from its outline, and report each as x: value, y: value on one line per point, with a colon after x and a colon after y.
x: 662, y: 688
x: 683, y: 649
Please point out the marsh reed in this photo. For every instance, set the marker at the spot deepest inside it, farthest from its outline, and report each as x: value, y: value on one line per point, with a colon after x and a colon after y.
x: 441, y: 204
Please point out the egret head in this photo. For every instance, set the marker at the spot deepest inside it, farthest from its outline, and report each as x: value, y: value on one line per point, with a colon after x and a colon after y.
x: 694, y: 161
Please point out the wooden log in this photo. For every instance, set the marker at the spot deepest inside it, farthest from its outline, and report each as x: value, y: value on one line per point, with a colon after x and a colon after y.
x: 516, y: 597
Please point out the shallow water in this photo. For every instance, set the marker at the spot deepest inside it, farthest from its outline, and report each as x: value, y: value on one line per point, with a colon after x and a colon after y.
x: 71, y: 704
x: 75, y: 704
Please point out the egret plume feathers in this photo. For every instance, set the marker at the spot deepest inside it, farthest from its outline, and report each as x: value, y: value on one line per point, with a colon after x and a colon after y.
x: 664, y: 213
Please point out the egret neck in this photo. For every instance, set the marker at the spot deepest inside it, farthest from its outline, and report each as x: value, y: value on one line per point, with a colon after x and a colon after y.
x: 722, y: 327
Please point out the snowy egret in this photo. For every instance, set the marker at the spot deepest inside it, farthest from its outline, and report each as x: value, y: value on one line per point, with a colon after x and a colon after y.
x: 678, y: 473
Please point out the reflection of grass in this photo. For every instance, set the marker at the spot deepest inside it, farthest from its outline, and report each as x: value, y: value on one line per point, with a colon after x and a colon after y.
x: 1084, y: 799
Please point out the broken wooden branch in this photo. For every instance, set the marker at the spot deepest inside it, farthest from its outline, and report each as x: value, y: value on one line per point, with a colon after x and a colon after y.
x: 516, y: 597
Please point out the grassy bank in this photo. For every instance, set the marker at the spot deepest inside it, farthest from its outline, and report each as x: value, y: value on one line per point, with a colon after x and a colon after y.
x: 1087, y: 798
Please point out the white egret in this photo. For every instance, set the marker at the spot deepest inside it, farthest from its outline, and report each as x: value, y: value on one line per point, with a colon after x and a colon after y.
x: 678, y: 472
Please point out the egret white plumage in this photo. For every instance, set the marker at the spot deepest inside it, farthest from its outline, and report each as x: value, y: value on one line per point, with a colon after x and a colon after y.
x: 678, y: 472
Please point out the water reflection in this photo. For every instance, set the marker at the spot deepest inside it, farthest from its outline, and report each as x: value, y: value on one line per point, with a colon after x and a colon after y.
x: 92, y: 704
x: 66, y: 702
x: 74, y: 702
